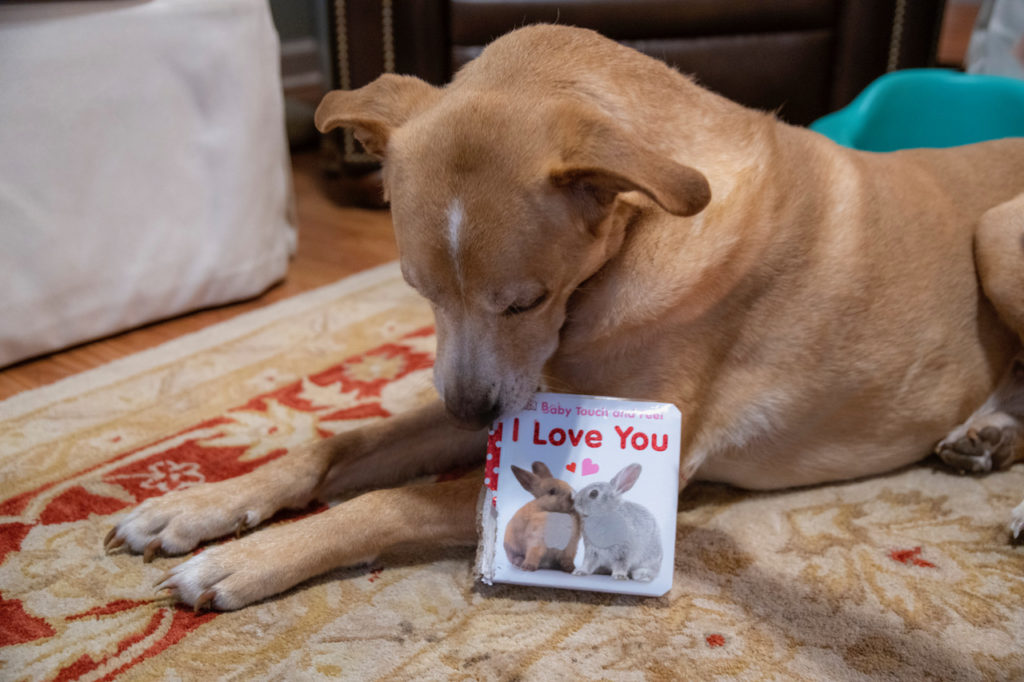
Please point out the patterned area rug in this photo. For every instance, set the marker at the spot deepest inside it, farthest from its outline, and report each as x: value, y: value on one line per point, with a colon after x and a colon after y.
x: 905, y: 577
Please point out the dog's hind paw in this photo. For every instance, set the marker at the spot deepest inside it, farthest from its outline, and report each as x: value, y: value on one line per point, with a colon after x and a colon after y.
x: 1017, y: 523
x: 981, y: 444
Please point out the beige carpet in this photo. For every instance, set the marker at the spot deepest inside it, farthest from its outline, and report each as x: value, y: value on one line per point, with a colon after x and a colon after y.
x: 902, y: 577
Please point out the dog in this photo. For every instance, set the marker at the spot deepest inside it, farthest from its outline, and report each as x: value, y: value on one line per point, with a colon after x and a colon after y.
x: 586, y: 219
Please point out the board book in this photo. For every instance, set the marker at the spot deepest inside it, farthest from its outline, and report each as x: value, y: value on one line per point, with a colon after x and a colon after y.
x: 580, y: 492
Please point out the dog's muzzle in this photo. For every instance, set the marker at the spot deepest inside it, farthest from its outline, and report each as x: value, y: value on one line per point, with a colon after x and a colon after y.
x: 473, y: 414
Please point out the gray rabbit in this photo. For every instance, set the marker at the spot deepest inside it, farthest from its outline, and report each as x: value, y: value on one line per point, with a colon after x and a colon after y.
x: 618, y: 536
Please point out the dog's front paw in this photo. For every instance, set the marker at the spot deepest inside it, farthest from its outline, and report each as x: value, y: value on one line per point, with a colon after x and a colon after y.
x: 238, y: 573
x: 980, y: 447
x: 178, y: 521
x: 221, y: 577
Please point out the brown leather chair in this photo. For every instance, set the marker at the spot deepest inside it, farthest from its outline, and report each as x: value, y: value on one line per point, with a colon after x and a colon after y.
x: 800, y: 58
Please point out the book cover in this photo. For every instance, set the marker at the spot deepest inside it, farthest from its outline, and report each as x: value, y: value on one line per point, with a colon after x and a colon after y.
x: 580, y: 493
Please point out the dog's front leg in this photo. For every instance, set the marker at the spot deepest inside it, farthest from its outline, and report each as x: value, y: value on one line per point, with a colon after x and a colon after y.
x: 235, y: 574
x: 387, y: 452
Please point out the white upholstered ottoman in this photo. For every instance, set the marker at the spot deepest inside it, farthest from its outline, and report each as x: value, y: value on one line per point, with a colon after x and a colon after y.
x: 143, y: 165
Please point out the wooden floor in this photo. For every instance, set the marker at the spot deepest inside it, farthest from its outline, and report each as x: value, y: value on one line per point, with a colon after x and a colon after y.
x: 334, y: 242
x: 957, y: 25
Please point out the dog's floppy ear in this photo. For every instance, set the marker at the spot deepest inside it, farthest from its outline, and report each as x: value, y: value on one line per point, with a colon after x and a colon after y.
x: 601, y: 160
x: 375, y: 110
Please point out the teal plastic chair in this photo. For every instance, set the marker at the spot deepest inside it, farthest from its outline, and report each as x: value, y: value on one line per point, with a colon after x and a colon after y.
x: 928, y: 108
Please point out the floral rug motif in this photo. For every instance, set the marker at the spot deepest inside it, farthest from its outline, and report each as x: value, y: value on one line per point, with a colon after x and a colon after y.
x: 905, y: 576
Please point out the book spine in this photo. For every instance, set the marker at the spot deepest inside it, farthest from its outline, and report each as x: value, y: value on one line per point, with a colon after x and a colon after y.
x: 487, y: 531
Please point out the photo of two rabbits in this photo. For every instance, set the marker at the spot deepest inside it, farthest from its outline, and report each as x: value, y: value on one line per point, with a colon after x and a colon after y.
x: 620, y: 537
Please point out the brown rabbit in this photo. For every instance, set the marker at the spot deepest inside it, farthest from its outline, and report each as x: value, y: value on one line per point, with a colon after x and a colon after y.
x: 545, y: 532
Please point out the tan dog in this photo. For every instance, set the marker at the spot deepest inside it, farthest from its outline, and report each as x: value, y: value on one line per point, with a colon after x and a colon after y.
x: 586, y: 219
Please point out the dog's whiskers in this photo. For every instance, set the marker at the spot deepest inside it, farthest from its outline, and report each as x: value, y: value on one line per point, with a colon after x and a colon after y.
x: 551, y: 383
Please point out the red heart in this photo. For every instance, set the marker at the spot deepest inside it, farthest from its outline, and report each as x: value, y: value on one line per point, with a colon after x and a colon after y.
x: 571, y: 467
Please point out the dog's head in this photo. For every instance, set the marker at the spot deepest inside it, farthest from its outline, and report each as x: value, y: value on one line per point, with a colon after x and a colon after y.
x: 502, y: 208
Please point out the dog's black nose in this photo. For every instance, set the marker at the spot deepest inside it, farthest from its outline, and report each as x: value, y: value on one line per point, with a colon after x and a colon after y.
x: 473, y: 415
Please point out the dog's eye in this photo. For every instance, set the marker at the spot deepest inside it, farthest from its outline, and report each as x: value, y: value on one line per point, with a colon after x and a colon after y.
x: 517, y: 308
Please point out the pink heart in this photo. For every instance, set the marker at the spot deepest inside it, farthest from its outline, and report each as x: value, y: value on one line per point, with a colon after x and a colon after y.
x: 589, y: 467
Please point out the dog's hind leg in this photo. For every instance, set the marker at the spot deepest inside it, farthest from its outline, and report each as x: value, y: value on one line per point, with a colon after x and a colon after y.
x: 387, y: 452
x: 993, y: 437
